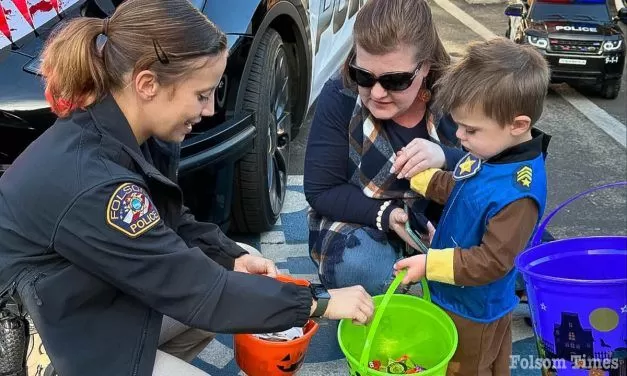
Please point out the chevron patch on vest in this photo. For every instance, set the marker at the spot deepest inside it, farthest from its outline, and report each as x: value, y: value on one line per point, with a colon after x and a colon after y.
x: 468, y: 166
x: 524, y: 176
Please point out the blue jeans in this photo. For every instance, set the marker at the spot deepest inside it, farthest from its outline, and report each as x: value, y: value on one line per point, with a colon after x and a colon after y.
x: 361, y: 260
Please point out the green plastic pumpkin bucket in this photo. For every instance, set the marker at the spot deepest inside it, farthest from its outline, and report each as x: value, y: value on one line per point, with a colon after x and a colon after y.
x: 402, y: 325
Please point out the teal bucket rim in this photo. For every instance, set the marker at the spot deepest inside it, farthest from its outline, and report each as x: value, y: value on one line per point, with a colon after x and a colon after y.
x: 525, y: 269
x: 445, y: 317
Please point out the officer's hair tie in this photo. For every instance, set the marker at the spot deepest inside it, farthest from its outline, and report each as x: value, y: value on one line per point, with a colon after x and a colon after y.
x: 105, y: 26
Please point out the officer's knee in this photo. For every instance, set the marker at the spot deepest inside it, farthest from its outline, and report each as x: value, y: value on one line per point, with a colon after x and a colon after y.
x: 250, y: 249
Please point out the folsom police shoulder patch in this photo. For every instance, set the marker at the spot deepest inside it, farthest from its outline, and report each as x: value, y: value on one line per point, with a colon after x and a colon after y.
x: 131, y: 211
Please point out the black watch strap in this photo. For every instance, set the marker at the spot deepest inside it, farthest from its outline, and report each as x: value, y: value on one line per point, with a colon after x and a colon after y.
x: 321, y: 307
x: 321, y: 296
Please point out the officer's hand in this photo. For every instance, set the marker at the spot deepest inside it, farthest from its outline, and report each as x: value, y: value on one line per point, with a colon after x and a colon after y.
x: 255, y: 265
x: 350, y: 303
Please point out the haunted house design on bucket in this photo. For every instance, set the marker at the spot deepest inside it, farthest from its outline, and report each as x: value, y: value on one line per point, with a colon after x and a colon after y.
x: 572, y: 342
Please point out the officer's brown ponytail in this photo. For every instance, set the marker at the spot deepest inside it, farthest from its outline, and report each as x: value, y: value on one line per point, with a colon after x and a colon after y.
x: 74, y: 72
x: 169, y: 37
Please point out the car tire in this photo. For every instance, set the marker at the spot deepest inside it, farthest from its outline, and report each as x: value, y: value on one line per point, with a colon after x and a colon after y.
x: 261, y: 176
x: 610, y: 89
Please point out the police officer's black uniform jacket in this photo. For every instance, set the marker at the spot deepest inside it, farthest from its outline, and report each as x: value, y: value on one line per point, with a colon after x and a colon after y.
x: 96, y: 241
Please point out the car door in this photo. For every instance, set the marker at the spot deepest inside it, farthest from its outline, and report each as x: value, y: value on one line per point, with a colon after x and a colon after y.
x: 332, y: 37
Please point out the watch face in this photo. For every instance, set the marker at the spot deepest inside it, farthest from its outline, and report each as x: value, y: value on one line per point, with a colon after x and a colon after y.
x: 319, y: 291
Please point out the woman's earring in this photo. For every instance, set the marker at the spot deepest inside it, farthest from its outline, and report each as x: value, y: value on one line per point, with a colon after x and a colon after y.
x: 424, y: 94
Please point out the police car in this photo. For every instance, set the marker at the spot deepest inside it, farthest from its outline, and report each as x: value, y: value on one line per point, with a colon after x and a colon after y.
x: 580, y: 39
x: 234, y: 165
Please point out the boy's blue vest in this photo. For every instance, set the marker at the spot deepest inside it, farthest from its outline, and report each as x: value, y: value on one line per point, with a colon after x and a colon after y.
x: 471, y: 205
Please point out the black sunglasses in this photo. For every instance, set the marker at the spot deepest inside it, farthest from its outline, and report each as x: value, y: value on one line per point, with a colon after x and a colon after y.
x: 393, y: 81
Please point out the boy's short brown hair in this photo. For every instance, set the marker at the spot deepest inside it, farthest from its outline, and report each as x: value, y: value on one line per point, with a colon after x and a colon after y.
x: 500, y: 77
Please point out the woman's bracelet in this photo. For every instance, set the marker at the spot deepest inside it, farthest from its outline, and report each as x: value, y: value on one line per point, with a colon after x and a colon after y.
x: 380, y: 214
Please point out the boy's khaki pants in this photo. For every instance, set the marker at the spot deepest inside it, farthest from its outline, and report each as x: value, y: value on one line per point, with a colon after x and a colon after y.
x: 483, y: 349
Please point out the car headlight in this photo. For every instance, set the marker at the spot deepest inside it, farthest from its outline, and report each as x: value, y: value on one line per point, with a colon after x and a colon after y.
x: 539, y: 42
x: 612, y: 45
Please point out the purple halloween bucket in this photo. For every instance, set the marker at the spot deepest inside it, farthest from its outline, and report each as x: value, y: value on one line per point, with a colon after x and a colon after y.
x: 577, y: 291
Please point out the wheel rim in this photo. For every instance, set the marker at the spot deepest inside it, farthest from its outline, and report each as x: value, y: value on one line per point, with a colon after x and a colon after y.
x: 278, y: 133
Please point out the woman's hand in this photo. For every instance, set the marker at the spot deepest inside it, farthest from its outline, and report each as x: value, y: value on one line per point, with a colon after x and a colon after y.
x: 417, y: 156
x: 255, y: 265
x: 429, y: 237
x: 350, y: 303
x: 397, y: 221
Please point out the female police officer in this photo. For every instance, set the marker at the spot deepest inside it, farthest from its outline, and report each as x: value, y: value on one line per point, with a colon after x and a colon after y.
x: 93, y: 234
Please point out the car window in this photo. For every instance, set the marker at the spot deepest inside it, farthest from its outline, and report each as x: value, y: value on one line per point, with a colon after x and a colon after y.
x: 570, y: 12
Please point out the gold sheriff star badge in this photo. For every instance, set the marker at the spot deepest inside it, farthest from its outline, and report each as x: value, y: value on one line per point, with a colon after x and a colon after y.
x: 467, y: 167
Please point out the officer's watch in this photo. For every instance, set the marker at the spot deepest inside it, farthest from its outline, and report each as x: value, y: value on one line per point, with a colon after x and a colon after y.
x: 321, y: 296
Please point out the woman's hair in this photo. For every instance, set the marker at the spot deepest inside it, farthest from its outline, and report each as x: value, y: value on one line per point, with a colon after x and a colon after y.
x: 165, y: 36
x: 382, y: 26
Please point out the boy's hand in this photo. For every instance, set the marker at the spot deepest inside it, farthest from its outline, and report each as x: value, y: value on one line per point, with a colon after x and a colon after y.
x: 416, y: 268
x: 417, y: 156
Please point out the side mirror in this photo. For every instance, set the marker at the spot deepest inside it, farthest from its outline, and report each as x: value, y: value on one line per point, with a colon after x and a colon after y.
x: 515, y: 10
x: 622, y: 15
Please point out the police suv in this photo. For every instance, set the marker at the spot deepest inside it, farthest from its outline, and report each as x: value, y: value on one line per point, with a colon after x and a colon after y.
x: 580, y: 39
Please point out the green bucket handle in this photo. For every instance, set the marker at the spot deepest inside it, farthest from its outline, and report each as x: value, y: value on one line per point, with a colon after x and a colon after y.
x: 365, y: 354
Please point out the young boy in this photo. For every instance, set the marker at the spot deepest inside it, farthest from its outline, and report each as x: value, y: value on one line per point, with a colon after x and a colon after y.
x: 494, y: 198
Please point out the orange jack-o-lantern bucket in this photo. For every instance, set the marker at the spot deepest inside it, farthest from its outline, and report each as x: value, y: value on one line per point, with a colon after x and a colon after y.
x: 258, y: 357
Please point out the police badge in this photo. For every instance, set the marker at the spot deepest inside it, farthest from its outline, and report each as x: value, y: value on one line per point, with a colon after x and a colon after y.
x: 468, y: 166
x: 131, y: 211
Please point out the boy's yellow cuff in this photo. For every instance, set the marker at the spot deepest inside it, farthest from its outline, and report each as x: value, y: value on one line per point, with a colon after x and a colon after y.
x: 420, y: 182
x: 440, y: 265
